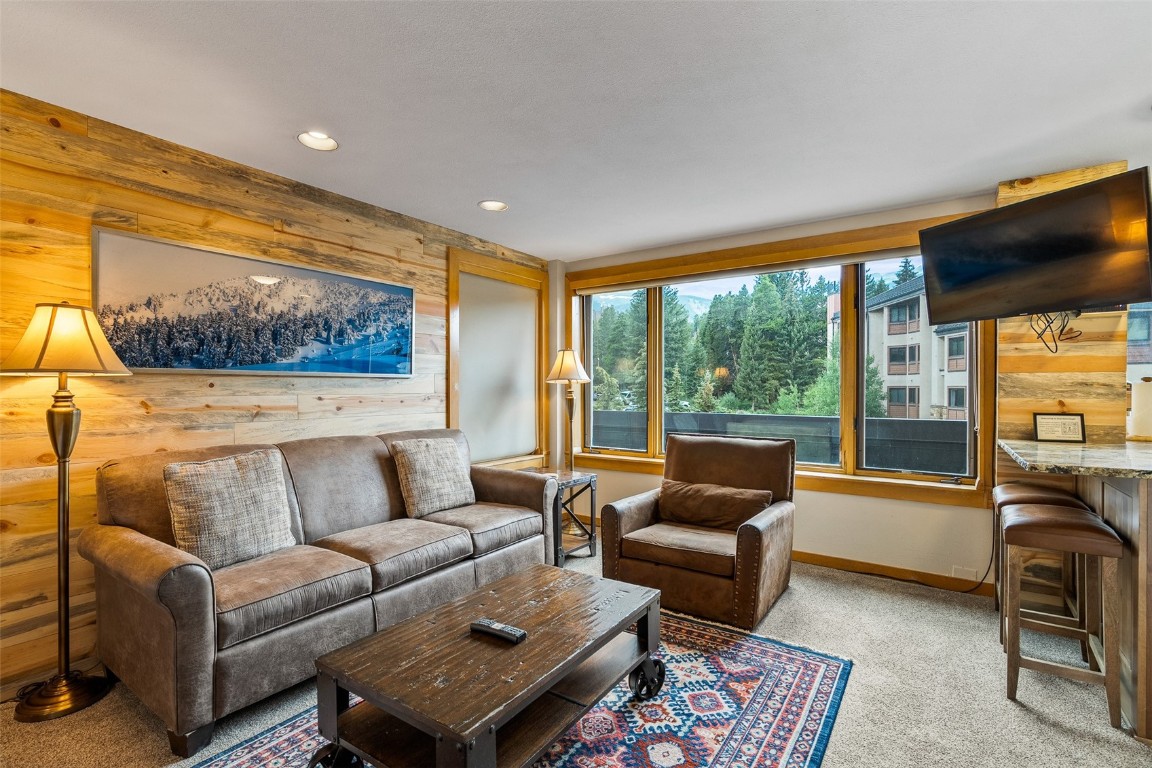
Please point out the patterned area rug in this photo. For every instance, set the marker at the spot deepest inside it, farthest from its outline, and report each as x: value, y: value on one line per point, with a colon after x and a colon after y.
x: 730, y: 699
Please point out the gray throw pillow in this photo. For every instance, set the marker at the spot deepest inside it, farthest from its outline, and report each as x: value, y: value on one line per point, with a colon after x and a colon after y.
x: 433, y: 475
x: 230, y: 509
x: 710, y: 506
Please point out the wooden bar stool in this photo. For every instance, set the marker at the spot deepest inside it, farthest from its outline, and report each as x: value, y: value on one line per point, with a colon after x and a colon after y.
x: 1029, y: 493
x: 1064, y: 529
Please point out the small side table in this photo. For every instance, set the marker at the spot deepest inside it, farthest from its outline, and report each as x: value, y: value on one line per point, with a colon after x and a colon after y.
x: 571, y: 486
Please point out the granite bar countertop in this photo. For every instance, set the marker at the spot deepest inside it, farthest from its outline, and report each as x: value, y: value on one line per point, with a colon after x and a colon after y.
x: 1133, y: 459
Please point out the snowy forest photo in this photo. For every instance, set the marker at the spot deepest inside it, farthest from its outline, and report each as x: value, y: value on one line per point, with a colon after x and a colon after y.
x: 228, y: 313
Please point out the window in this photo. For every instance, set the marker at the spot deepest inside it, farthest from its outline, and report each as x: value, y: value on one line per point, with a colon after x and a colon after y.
x: 903, y: 402
x: 751, y: 356
x: 899, y: 434
x: 897, y: 360
x: 617, y: 336
x: 1137, y: 327
x: 957, y: 399
x: 957, y: 353
x: 905, y: 316
x: 784, y: 348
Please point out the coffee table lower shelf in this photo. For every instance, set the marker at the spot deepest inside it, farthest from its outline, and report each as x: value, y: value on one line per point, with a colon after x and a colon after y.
x: 387, y: 741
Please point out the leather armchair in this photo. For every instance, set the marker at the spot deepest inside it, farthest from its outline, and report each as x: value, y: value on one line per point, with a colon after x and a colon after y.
x: 729, y: 574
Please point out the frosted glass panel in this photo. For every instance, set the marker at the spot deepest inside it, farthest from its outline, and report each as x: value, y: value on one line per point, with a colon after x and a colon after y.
x: 498, y: 367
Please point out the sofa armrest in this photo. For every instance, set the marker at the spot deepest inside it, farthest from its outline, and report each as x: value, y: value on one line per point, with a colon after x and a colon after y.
x: 763, y: 561
x: 621, y: 518
x: 522, y: 489
x: 157, y: 622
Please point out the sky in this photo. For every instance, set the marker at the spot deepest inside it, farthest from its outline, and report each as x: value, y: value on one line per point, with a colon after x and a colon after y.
x: 706, y: 289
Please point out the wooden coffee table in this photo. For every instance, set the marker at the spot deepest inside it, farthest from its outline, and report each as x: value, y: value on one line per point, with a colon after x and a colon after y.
x: 436, y: 694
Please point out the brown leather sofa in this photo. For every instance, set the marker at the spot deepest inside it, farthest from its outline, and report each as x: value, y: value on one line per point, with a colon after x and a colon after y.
x: 196, y: 644
x: 731, y: 574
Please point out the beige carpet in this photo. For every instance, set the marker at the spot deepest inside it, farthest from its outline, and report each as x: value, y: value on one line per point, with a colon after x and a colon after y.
x: 927, y: 689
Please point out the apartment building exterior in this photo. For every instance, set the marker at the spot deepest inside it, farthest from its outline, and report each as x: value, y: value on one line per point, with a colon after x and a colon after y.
x: 926, y: 369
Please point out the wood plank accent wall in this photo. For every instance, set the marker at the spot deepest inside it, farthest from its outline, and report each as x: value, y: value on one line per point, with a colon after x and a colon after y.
x: 1086, y: 375
x: 61, y: 173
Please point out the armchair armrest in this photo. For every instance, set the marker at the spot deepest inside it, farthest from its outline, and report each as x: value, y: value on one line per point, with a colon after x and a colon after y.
x: 763, y: 561
x: 157, y: 622
x: 621, y: 518
x: 522, y: 489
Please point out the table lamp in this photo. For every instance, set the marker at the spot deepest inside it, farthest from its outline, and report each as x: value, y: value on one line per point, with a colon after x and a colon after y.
x: 567, y: 370
x: 62, y: 339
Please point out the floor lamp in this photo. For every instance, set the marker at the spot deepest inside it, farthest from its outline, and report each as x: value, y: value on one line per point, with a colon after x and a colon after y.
x: 62, y: 339
x: 567, y: 370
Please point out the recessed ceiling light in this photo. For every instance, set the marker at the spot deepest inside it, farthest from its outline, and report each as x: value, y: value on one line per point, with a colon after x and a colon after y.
x: 317, y: 140
x: 264, y: 279
x: 493, y: 205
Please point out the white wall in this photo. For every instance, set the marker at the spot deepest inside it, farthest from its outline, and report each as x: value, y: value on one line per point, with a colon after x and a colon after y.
x: 929, y: 538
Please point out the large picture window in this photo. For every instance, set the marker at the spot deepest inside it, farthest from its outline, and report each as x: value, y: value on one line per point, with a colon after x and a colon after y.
x: 834, y: 351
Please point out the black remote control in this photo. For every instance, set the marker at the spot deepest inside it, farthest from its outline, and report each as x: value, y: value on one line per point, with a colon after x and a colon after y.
x: 503, y: 631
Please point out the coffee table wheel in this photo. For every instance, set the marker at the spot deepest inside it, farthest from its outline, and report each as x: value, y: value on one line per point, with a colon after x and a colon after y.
x: 334, y: 756
x: 645, y: 687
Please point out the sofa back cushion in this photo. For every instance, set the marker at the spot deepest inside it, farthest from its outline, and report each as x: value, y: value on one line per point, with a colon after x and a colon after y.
x: 230, y: 509
x: 434, y: 476
x: 130, y: 491
x: 342, y: 483
x: 740, y: 462
x: 709, y: 505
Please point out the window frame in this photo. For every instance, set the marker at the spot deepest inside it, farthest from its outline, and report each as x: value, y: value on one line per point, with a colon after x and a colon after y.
x: 837, y: 248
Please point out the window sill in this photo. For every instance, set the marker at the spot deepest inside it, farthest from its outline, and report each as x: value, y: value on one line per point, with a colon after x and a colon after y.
x: 929, y: 492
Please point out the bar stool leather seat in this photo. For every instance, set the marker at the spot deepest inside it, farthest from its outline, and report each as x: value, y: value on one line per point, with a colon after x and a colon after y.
x: 1059, y: 528
x: 1068, y: 530
x: 1027, y: 493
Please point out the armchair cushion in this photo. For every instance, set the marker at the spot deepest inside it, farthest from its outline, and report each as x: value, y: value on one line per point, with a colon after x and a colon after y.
x: 399, y: 550
x: 433, y: 475
x: 230, y: 509
x: 709, y: 505
x: 258, y: 596
x: 705, y: 550
x: 492, y: 526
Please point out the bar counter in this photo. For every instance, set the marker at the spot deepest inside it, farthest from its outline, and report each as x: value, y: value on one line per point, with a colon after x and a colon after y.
x: 1116, y: 480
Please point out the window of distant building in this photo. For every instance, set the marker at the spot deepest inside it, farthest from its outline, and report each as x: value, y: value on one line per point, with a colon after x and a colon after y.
x: 957, y: 353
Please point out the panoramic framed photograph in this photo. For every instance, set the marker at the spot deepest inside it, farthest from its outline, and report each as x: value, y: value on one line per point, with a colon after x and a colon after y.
x: 1059, y: 427
x: 171, y: 307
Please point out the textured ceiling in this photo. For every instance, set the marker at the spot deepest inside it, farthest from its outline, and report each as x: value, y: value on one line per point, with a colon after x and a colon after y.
x: 612, y: 126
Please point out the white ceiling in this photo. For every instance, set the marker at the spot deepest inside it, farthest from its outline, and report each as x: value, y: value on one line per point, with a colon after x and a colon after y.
x: 611, y: 127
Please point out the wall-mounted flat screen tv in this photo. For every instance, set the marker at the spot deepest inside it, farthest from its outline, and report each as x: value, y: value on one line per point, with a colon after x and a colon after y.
x: 1085, y: 247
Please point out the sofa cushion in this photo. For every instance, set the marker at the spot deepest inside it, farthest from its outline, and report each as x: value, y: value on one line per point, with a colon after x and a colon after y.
x: 706, y: 550
x: 342, y: 483
x: 399, y: 550
x: 709, y: 505
x: 260, y: 595
x: 433, y: 475
x: 229, y: 509
x: 492, y: 526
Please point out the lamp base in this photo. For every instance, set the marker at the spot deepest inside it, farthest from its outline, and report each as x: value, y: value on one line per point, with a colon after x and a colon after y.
x: 62, y: 695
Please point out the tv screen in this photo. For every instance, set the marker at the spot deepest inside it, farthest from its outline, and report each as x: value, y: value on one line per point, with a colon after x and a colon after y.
x: 1079, y: 248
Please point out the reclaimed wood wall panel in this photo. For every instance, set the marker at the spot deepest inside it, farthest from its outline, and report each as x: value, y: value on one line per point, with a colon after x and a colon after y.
x: 61, y: 174
x: 1085, y: 375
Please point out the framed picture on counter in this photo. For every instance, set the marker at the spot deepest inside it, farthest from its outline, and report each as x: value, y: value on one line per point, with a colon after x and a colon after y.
x: 1059, y: 427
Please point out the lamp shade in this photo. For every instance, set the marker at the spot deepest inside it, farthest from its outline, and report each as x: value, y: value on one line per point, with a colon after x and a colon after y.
x: 63, y: 338
x: 567, y: 369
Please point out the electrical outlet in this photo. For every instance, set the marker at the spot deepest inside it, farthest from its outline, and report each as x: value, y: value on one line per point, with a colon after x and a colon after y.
x: 968, y: 574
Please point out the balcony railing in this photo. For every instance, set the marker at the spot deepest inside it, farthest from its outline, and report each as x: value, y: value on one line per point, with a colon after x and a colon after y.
x: 917, y: 445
